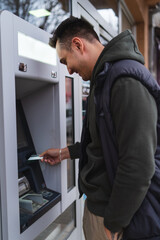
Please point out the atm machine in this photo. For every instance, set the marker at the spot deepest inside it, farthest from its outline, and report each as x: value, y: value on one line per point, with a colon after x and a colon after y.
x: 30, y: 122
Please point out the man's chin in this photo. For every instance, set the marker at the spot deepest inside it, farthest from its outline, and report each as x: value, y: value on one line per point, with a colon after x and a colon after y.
x: 86, y: 79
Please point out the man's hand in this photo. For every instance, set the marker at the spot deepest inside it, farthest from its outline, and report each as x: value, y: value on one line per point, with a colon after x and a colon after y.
x: 54, y: 155
x: 113, y: 236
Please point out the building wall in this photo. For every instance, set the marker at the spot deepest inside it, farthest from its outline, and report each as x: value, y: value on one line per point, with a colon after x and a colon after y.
x: 140, y: 12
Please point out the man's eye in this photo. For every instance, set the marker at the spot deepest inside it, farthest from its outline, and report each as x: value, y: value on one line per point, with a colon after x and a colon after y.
x: 63, y: 62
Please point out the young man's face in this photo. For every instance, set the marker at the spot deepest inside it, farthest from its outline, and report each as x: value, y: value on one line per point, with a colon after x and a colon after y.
x: 75, y: 60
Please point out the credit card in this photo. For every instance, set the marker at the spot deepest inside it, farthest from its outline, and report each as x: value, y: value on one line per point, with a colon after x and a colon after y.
x: 34, y: 158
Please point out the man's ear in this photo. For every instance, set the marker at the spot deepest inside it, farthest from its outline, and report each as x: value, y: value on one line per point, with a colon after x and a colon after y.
x: 78, y: 44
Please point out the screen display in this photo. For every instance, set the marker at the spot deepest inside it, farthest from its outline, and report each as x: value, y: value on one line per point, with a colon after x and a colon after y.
x: 25, y: 145
x: 21, y: 136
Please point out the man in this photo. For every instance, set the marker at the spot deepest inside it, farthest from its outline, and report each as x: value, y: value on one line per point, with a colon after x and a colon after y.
x: 119, y: 143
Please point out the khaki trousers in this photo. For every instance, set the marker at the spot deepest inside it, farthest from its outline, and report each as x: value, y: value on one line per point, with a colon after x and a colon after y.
x: 93, y: 226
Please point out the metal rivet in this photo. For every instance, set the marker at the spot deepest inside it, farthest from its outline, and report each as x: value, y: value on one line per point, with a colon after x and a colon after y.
x: 53, y: 74
x: 22, y: 67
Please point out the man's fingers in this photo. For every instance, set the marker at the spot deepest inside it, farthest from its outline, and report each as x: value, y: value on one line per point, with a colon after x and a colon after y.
x: 42, y: 154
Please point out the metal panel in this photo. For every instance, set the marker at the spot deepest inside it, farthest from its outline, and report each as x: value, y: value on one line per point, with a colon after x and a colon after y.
x: 9, y: 74
x: 93, y: 13
x: 8, y: 171
x: 35, y: 69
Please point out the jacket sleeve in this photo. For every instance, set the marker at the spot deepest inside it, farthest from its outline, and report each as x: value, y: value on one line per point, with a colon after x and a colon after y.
x: 74, y: 150
x: 134, y: 115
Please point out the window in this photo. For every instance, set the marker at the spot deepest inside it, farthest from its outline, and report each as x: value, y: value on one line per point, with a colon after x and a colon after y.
x: 44, y: 14
x: 109, y: 11
x: 70, y: 130
x: 85, y: 93
x: 126, y: 20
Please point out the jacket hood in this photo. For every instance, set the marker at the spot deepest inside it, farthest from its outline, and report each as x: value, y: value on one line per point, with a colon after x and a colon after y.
x: 123, y: 46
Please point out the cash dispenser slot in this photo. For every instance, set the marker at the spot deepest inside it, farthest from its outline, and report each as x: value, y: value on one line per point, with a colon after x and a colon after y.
x: 35, y: 199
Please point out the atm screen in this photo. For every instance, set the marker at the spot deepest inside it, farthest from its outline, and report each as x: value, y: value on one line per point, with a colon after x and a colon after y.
x: 21, y: 137
x: 25, y: 148
x: 25, y: 144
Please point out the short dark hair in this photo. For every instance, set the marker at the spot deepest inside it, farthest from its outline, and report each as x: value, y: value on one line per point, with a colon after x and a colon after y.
x: 70, y: 28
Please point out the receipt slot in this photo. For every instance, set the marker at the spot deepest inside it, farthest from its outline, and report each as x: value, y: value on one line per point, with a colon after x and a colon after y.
x: 30, y: 107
